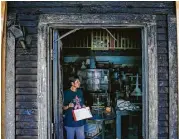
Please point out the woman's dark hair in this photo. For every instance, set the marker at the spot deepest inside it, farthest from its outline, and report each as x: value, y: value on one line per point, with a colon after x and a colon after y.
x: 73, y: 78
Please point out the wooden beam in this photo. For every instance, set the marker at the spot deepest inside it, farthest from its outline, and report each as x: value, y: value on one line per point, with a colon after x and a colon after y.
x: 3, y: 64
x: 177, y: 18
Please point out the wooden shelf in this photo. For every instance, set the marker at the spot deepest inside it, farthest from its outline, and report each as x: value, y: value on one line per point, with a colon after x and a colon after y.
x: 102, y: 39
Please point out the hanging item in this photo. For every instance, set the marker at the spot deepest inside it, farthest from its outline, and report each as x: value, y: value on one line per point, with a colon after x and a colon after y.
x: 137, y: 91
x: 83, y: 65
x: 92, y: 62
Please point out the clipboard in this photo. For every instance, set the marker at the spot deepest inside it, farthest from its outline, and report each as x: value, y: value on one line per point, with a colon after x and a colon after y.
x: 81, y: 114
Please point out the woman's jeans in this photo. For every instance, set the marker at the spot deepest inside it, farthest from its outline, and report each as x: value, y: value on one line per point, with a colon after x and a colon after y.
x: 72, y: 130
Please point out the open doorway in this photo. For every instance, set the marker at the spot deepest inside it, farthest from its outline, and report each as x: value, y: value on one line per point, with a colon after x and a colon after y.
x: 109, y: 64
x: 145, y: 23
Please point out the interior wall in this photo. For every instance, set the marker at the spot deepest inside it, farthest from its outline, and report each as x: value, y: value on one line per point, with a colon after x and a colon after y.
x: 26, y: 60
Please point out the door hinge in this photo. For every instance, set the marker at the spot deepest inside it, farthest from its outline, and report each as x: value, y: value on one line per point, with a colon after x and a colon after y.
x: 51, y: 54
x: 52, y: 127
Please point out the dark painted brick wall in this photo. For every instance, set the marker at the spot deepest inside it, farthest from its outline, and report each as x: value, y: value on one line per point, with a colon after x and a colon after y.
x: 26, y: 60
x: 163, y: 83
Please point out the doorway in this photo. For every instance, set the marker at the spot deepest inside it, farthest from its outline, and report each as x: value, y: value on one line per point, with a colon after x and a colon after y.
x: 147, y: 57
x: 108, y: 62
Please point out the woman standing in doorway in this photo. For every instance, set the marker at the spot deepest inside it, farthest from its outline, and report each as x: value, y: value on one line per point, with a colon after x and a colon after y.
x: 73, y: 99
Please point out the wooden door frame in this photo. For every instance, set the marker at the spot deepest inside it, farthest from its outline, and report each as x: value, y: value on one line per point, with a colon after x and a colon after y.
x: 10, y: 90
x: 173, y: 78
x: 150, y: 71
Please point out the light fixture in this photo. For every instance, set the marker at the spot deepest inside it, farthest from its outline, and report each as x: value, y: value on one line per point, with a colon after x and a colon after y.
x: 19, y: 34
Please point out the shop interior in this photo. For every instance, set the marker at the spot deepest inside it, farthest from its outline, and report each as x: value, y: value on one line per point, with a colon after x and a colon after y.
x: 109, y: 64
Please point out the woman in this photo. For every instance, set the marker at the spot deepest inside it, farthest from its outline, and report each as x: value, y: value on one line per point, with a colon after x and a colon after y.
x: 73, y: 99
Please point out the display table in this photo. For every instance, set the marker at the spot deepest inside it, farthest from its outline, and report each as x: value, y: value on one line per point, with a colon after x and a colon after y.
x: 100, y: 119
x: 119, y: 114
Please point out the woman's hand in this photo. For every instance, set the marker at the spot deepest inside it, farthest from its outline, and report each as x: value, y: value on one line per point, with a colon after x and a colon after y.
x: 71, y: 105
